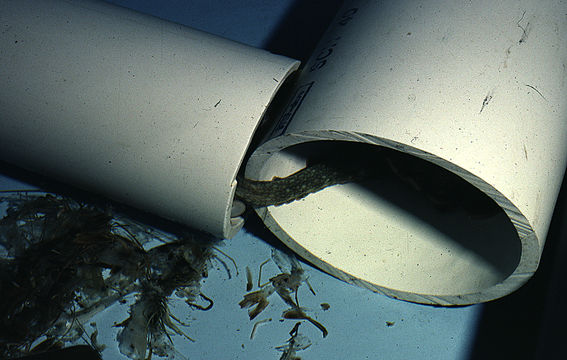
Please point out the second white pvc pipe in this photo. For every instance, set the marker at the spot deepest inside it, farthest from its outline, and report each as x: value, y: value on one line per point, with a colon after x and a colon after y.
x: 477, y: 88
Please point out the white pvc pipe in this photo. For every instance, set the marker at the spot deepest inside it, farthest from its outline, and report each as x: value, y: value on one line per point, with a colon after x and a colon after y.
x: 477, y: 88
x: 145, y: 111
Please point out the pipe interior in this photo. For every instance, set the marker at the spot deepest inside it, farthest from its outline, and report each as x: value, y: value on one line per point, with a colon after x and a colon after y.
x: 411, y: 226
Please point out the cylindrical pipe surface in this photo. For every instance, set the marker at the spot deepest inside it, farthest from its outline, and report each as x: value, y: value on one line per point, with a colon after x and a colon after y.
x: 476, y: 88
x: 147, y: 112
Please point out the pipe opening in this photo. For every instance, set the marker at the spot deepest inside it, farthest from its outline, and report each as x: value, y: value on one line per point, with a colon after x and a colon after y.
x: 405, y: 224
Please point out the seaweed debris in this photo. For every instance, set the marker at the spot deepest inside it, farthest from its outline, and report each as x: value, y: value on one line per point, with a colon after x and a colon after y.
x: 286, y: 284
x: 296, y: 342
x: 62, y: 261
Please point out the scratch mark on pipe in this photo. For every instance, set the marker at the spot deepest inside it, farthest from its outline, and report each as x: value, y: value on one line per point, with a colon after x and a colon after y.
x: 525, y: 29
x: 536, y: 90
x: 486, y: 100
